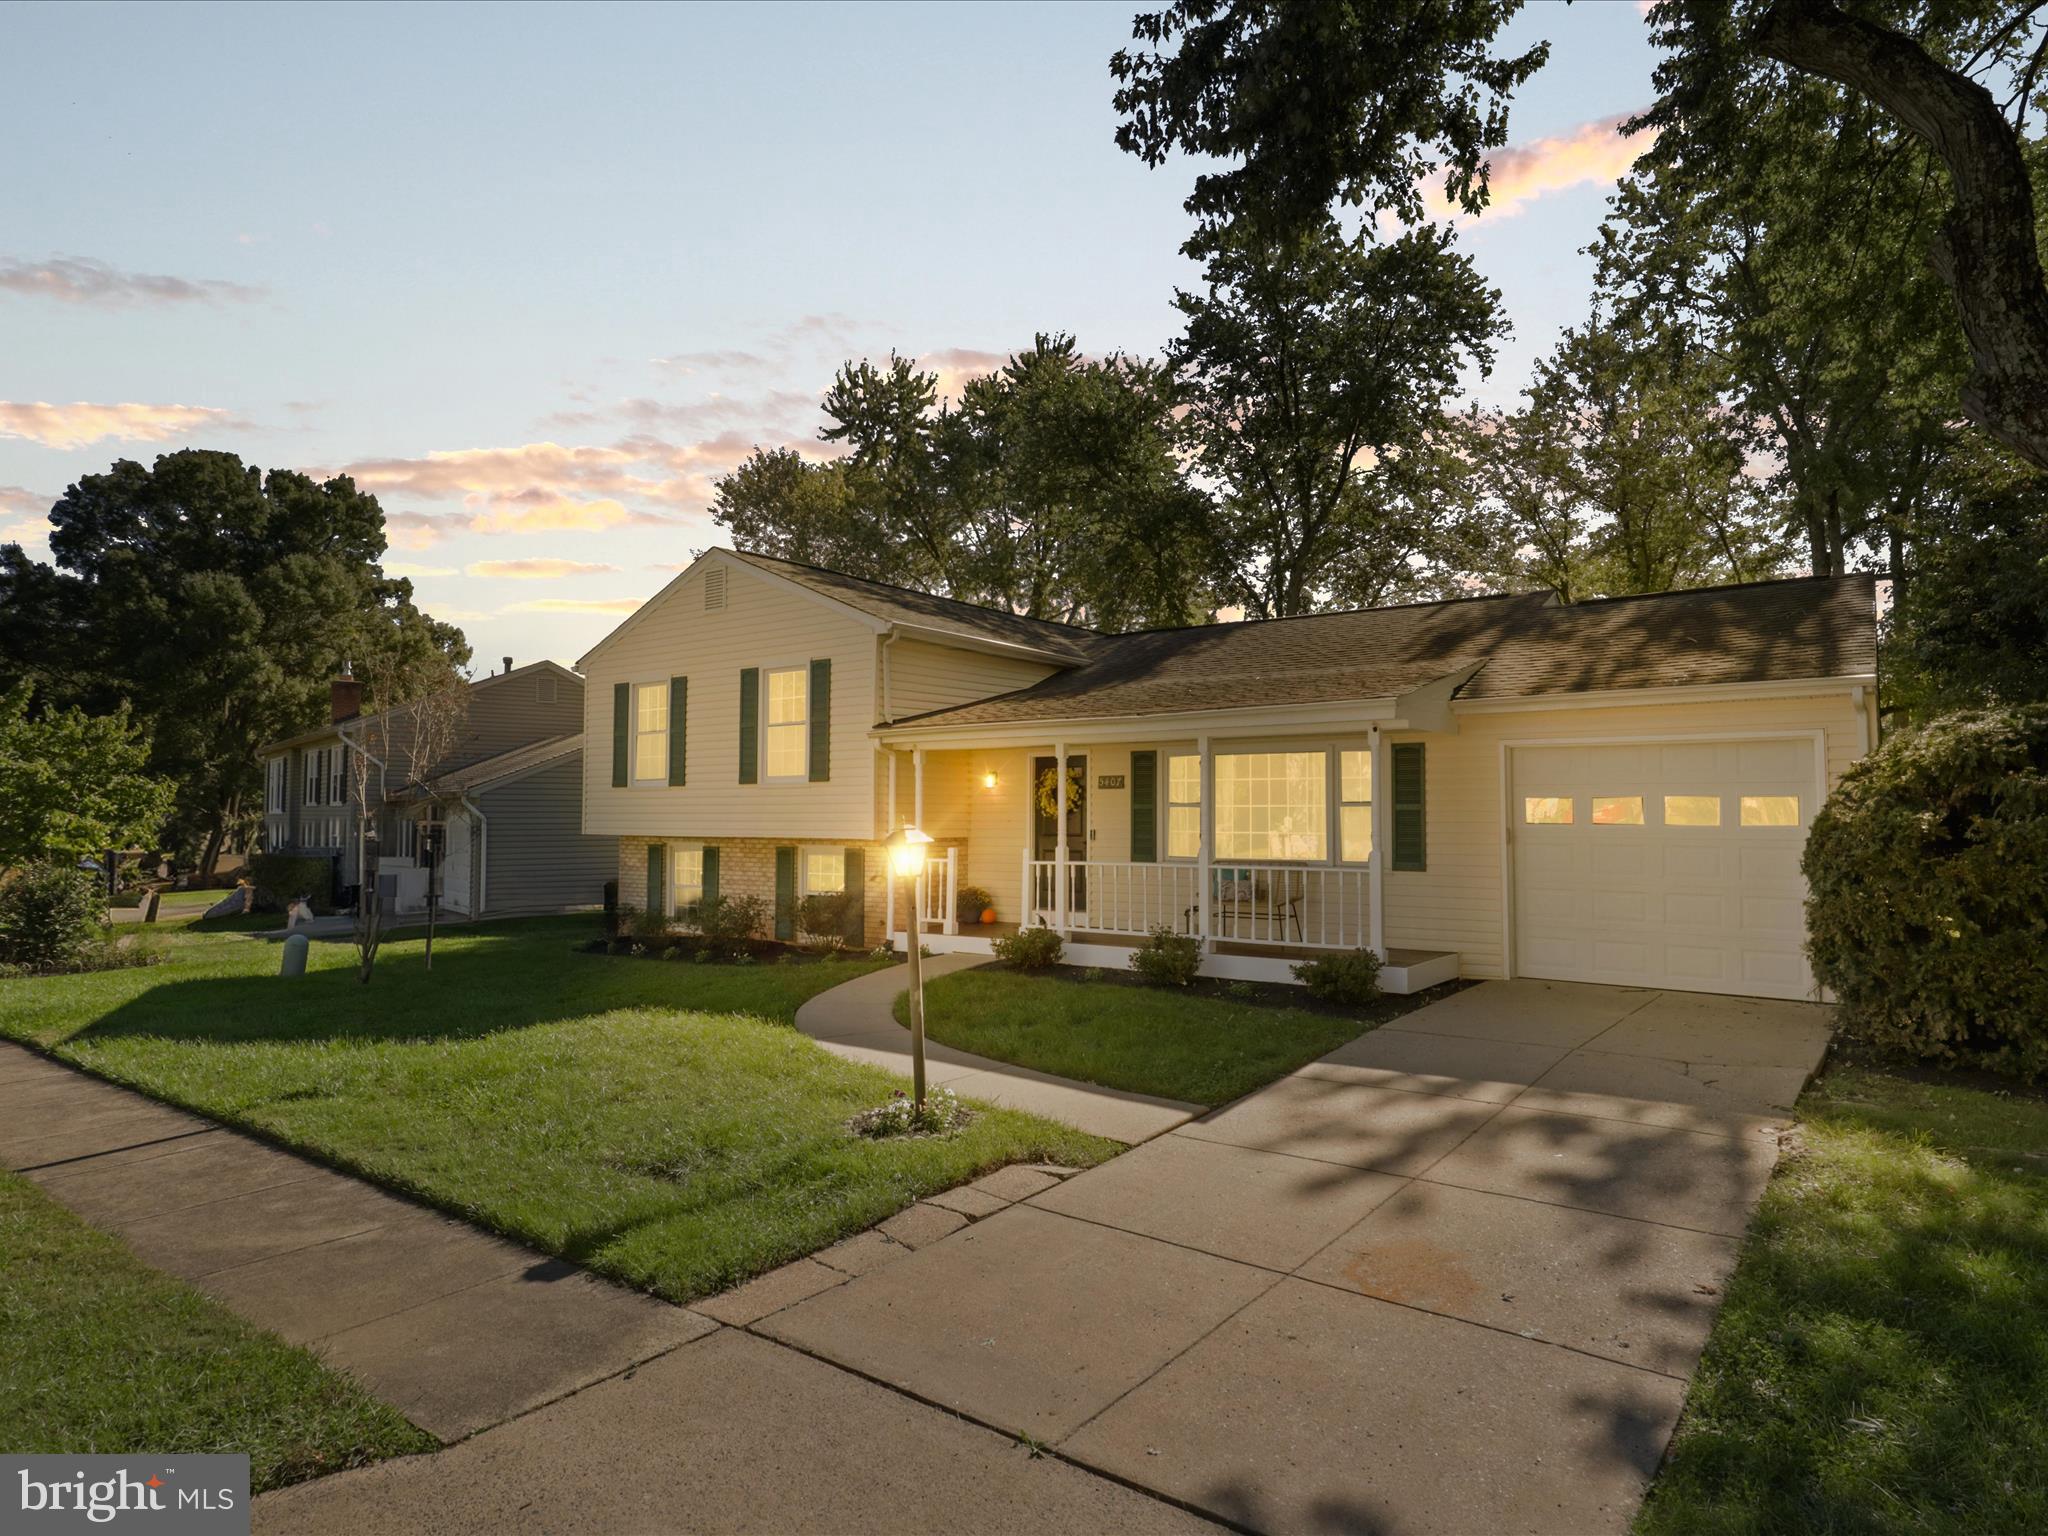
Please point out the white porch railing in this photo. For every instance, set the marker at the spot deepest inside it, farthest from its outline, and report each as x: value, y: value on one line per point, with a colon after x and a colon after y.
x: 1312, y: 906
x: 941, y: 891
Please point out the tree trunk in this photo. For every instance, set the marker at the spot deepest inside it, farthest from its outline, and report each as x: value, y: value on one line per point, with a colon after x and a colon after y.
x: 1986, y: 251
x: 209, y: 856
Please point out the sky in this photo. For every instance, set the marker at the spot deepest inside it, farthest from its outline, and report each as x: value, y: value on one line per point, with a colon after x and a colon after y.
x: 536, y: 276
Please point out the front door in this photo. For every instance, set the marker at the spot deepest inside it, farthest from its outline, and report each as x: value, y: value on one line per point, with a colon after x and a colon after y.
x: 1045, y: 826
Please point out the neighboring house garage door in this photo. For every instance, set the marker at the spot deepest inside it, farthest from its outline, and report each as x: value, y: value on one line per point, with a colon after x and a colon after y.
x: 1666, y: 864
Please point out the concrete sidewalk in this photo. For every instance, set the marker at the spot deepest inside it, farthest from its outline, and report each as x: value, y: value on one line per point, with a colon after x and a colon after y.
x: 856, y: 1020
x: 420, y: 1307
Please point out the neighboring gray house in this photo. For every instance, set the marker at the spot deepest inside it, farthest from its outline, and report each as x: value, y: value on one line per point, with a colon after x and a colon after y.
x: 511, y: 792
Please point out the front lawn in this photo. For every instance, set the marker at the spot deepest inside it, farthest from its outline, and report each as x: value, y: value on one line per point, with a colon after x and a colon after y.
x: 100, y: 1353
x: 1196, y: 1046
x: 1881, y: 1362
x: 659, y: 1121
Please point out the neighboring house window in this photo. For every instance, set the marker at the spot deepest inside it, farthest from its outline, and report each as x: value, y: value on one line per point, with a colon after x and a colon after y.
x: 788, y: 727
x: 312, y: 776
x: 824, y: 871
x: 406, y: 839
x: 650, y: 732
x: 274, y: 796
x: 1184, y: 807
x: 1272, y: 805
x: 337, y: 766
x: 1354, y: 806
x: 686, y: 879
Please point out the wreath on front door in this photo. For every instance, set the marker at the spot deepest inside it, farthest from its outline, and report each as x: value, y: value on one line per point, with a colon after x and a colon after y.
x: 1049, y: 790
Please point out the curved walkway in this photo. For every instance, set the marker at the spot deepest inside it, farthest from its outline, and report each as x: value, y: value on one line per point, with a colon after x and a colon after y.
x: 857, y: 1021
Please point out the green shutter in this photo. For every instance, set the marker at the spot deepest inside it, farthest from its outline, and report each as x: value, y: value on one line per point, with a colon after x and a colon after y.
x: 710, y: 874
x: 857, y: 897
x: 622, y: 725
x: 821, y: 720
x: 678, y: 720
x: 654, y: 862
x: 1144, y: 807
x: 1409, y: 844
x: 785, y: 893
x: 750, y: 725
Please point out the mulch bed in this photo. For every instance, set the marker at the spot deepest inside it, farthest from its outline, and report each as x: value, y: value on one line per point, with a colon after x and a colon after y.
x: 1257, y: 994
x: 685, y: 948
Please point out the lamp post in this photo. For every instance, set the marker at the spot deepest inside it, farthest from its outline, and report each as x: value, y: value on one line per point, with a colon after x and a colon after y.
x: 906, y: 857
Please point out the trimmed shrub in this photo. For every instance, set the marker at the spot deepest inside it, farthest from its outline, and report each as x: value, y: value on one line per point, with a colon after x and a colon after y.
x: 1927, y: 873
x: 1168, y: 959
x: 642, y: 923
x: 50, y: 918
x: 729, y: 922
x: 1029, y: 949
x: 278, y: 877
x: 970, y: 901
x: 823, y: 915
x: 1350, y: 978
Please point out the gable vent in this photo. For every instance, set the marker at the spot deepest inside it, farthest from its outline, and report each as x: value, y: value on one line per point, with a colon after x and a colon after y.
x: 714, y: 589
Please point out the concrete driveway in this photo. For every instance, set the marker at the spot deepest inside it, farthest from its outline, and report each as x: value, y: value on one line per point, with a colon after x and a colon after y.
x: 1452, y: 1277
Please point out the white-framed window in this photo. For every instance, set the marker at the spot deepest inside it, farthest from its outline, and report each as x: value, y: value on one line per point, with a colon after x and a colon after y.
x: 405, y: 839
x: 312, y: 775
x: 821, y: 871
x: 1183, y: 806
x: 685, y: 879
x: 786, y: 724
x: 337, y: 768
x: 1272, y: 805
x: 650, y: 733
x: 276, y: 775
x: 1354, y: 805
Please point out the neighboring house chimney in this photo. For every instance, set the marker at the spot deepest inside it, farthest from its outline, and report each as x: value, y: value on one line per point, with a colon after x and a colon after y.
x: 345, y: 696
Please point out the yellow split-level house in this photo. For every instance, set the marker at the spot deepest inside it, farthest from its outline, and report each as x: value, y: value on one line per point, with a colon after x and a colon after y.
x: 1613, y: 791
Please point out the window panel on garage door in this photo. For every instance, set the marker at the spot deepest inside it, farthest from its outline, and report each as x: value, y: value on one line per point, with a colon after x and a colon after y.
x: 1676, y: 865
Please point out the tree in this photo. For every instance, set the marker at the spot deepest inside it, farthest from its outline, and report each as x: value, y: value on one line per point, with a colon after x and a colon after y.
x: 1053, y: 489
x: 216, y: 601
x: 1310, y: 103
x: 395, y: 765
x: 73, y: 784
x: 1914, y: 84
x: 1305, y: 357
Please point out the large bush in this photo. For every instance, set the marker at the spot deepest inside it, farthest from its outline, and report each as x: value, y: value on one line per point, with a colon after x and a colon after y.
x: 1029, y: 949
x: 278, y: 877
x: 729, y: 922
x: 1168, y: 959
x: 1928, y: 876
x: 1350, y: 978
x: 50, y: 918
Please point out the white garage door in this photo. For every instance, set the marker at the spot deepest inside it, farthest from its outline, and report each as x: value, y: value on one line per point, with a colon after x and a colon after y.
x: 1666, y: 864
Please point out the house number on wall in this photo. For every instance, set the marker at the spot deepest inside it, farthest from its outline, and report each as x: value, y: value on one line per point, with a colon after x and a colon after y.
x: 1109, y: 781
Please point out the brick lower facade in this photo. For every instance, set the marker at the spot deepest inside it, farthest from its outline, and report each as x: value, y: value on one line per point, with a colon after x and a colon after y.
x: 746, y: 867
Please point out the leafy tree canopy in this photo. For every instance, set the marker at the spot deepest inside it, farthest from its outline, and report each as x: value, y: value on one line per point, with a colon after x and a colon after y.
x: 74, y: 784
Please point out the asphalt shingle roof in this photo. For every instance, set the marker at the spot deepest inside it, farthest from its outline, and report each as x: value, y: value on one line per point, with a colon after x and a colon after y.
x: 1522, y: 645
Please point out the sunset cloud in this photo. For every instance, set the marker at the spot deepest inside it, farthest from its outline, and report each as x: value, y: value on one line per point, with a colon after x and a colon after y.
x: 538, y: 570
x: 411, y: 571
x: 1595, y: 152
x: 81, y: 280
x: 716, y: 410
x: 614, y: 605
x: 19, y: 498
x: 80, y: 423
x: 412, y: 530
x: 30, y: 530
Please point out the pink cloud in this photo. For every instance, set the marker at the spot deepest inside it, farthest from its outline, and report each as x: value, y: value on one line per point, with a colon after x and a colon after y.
x: 81, y: 280
x: 81, y: 422
x: 18, y: 498
x: 1518, y: 175
x: 538, y: 570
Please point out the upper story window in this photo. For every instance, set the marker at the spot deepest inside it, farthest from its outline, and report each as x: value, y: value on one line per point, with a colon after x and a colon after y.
x: 650, y: 731
x: 788, y: 725
x: 275, y: 774
x: 337, y: 782
x: 1272, y: 805
x: 313, y: 775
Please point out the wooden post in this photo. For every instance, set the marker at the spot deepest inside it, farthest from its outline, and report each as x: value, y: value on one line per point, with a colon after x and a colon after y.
x: 917, y: 988
x: 1375, y: 869
x: 889, y: 885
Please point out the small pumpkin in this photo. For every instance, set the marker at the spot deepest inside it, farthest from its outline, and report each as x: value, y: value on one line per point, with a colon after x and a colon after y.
x: 988, y: 914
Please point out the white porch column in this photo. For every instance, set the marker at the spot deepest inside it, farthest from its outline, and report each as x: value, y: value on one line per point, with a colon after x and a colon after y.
x: 917, y: 789
x: 1025, y: 905
x: 1375, y: 869
x: 1059, y: 821
x: 1205, y: 821
x: 889, y: 882
x: 952, y: 922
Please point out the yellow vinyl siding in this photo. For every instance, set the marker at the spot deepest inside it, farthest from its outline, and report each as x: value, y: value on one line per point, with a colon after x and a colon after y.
x: 1457, y: 903
x: 764, y: 624
x: 924, y: 677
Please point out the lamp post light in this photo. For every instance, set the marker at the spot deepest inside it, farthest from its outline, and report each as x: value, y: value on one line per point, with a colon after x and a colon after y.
x: 906, y: 858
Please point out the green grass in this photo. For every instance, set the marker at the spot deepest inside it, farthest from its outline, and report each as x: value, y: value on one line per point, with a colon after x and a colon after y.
x: 656, y: 1120
x: 100, y: 1353
x: 186, y: 903
x: 1881, y: 1362
x: 1192, y: 1046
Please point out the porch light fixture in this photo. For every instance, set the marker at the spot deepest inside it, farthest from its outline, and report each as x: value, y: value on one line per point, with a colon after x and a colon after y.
x: 988, y: 779
x: 906, y: 859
